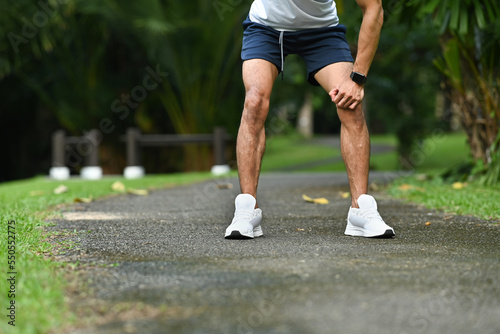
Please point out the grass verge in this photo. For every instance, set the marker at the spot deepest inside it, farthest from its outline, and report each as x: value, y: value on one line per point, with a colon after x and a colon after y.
x: 38, y: 286
x: 432, y: 158
x: 454, y: 198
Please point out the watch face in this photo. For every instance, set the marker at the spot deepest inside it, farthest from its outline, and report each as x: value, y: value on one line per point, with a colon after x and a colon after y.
x: 358, y: 78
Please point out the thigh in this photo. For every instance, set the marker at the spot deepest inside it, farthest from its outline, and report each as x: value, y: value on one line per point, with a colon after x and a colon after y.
x: 331, y: 76
x: 258, y: 77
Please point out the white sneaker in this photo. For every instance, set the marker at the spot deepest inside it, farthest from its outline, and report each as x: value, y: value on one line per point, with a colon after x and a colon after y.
x: 246, y: 220
x: 366, y: 221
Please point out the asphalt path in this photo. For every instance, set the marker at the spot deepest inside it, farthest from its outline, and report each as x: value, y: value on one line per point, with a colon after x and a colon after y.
x: 166, y: 252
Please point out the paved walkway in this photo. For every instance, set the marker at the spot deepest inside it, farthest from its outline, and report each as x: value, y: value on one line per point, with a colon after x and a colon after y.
x: 304, y: 276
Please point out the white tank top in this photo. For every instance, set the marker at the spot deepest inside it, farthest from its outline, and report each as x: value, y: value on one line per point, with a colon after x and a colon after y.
x: 291, y: 15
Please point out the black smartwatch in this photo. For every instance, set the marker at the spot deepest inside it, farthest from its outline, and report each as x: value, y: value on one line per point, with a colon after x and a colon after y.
x: 358, y: 78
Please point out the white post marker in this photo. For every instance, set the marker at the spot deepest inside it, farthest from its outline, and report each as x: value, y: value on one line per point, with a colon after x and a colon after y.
x: 91, y: 173
x: 134, y: 172
x: 59, y: 173
x: 220, y: 169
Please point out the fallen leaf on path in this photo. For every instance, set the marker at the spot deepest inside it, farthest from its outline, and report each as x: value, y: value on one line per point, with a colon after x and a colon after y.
x: 118, y: 186
x: 139, y: 192
x: 61, y: 189
x: 83, y: 199
x: 345, y: 194
x: 315, y: 200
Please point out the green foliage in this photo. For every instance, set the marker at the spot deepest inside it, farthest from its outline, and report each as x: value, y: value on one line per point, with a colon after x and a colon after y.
x: 459, y: 17
x: 202, y: 58
x: 60, y: 60
x: 469, y: 35
x: 449, y: 64
x: 76, y: 63
x: 401, y: 94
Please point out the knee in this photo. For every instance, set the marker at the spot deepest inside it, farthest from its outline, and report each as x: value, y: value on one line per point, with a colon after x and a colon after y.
x: 352, y: 119
x: 256, y: 107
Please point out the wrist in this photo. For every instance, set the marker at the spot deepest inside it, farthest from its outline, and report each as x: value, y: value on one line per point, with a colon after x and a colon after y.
x: 358, y: 78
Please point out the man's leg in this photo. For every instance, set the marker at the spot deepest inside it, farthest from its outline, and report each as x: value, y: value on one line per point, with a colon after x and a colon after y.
x: 363, y: 219
x: 354, y: 137
x: 258, y: 77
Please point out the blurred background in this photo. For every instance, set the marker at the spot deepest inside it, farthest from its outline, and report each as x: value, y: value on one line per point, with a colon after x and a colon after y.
x: 173, y: 67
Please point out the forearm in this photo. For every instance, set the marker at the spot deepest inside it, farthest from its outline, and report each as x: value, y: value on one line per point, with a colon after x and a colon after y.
x: 369, y: 35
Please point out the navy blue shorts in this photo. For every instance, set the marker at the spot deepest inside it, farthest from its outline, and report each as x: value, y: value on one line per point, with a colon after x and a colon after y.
x: 318, y: 47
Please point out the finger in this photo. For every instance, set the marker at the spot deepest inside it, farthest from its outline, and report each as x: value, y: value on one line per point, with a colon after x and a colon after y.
x: 333, y: 94
x: 354, y: 105
x: 338, y: 97
x: 339, y: 101
x: 345, y: 102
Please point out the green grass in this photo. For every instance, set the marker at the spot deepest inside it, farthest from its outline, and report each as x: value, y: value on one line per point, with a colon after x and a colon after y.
x: 39, y: 297
x: 434, y: 193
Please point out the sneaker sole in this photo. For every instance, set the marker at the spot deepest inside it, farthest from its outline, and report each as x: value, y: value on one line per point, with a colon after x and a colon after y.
x: 358, y: 232
x: 257, y: 232
x: 387, y: 235
x: 238, y: 235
